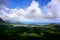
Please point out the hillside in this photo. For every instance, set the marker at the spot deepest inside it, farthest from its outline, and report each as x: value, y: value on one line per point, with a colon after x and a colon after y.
x: 2, y: 21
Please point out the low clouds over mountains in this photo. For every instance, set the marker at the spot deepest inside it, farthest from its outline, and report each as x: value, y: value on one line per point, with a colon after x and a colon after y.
x: 32, y: 13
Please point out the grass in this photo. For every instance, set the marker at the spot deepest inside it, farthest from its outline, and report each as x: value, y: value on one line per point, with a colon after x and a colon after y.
x: 8, y: 32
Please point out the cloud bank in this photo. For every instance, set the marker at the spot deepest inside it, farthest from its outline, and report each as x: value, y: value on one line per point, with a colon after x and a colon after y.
x: 32, y: 13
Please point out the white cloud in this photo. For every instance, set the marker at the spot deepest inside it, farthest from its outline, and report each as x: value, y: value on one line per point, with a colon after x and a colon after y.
x: 53, y: 9
x: 32, y: 13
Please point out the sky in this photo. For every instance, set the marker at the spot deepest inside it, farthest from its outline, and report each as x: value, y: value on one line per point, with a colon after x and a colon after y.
x: 30, y: 11
x: 25, y: 3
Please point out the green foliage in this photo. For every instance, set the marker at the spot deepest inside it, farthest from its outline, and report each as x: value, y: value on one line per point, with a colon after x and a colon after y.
x: 8, y: 32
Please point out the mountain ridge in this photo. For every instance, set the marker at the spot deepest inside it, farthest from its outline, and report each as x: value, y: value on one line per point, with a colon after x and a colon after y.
x: 2, y: 21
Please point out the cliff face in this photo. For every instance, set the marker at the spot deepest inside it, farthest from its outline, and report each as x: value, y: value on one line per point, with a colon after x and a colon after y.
x: 2, y: 21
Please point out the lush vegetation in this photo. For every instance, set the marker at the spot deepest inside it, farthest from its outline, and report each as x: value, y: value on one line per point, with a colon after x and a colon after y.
x: 48, y: 32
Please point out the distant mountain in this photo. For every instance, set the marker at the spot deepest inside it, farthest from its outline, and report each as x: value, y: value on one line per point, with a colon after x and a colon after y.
x: 2, y: 21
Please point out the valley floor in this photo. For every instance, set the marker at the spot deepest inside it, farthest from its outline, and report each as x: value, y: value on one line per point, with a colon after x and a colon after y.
x: 46, y: 32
